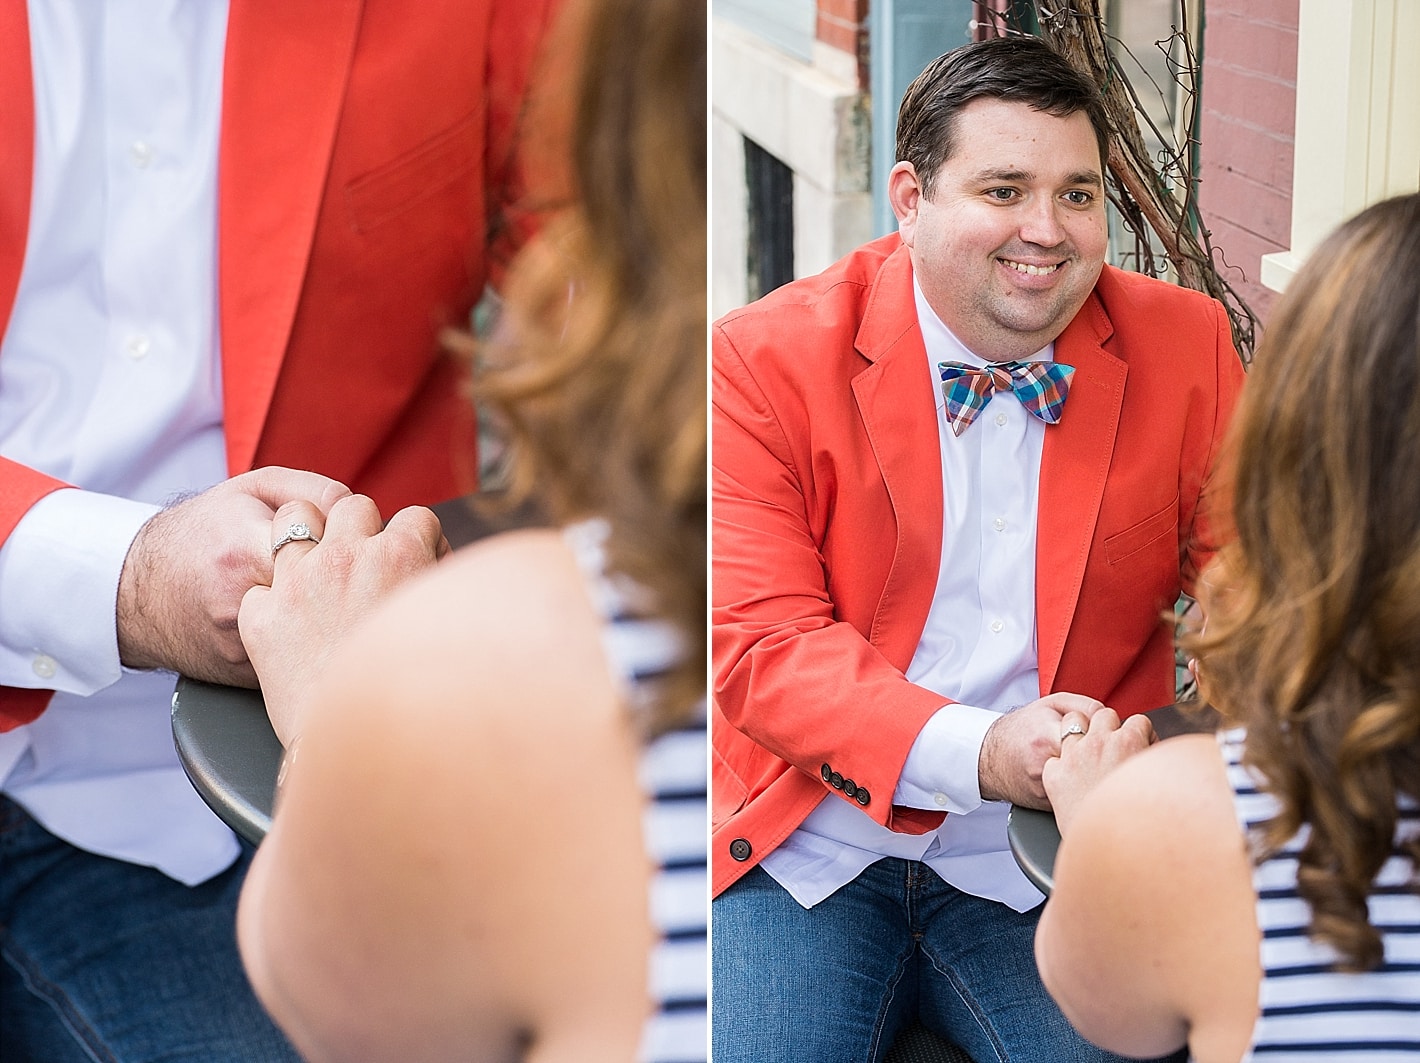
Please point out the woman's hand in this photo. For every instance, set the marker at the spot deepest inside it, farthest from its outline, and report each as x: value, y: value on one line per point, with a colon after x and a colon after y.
x: 321, y: 589
x: 1090, y: 748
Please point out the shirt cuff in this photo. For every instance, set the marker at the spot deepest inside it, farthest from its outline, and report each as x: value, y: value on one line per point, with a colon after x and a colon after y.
x: 59, y: 572
x: 941, y: 773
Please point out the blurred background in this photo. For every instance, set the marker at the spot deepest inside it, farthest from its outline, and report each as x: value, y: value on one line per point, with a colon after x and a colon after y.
x: 1268, y: 121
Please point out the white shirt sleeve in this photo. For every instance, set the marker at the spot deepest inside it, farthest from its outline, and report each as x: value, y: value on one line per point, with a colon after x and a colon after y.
x: 59, y: 572
x: 941, y: 770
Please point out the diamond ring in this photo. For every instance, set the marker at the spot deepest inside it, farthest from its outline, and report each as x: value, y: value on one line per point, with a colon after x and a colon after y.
x: 296, y: 533
x: 1073, y: 729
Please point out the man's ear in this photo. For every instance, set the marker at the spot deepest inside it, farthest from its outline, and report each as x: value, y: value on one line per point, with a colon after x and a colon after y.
x: 904, y: 193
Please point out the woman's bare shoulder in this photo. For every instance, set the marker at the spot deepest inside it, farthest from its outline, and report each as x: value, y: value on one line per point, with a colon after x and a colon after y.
x: 510, y: 613
x: 1187, y: 768
x: 1167, y: 817
x: 438, y: 770
x: 1154, y: 866
x: 515, y: 578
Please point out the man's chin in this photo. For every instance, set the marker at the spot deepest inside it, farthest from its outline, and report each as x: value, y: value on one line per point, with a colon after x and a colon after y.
x: 1039, y: 313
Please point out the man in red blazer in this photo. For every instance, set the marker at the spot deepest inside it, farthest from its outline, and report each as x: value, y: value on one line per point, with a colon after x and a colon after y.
x: 923, y: 581
x: 230, y: 235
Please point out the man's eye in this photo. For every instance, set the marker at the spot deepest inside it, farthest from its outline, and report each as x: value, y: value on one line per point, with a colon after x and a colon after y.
x: 1002, y: 195
x: 1079, y: 198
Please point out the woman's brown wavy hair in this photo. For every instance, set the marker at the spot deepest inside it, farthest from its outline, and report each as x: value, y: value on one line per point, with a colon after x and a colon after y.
x: 598, y: 369
x: 1313, y: 631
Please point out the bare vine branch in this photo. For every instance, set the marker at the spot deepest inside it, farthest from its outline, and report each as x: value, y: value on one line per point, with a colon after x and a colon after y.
x: 1158, y: 196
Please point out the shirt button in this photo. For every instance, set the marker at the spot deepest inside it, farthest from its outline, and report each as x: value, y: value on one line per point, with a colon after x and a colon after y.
x: 140, y: 153
x: 997, y: 627
x: 940, y: 800
x: 44, y: 666
x: 999, y: 524
x: 137, y: 347
x: 1001, y: 418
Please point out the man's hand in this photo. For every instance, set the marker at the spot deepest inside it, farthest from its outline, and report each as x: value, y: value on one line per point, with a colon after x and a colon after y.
x: 1087, y: 758
x: 188, y: 567
x: 321, y: 591
x: 1018, y: 745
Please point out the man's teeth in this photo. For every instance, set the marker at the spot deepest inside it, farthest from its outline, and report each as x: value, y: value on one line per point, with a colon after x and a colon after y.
x: 1029, y: 270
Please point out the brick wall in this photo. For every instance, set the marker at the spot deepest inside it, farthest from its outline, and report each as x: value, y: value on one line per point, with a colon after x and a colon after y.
x: 843, y: 24
x: 1249, y: 105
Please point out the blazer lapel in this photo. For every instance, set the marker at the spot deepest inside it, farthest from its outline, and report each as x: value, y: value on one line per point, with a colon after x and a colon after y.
x: 1074, y: 467
x: 284, y: 80
x: 895, y: 401
x: 17, y: 139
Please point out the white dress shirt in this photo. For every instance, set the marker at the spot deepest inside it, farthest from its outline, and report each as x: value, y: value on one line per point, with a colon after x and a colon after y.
x: 110, y: 379
x: 977, y: 648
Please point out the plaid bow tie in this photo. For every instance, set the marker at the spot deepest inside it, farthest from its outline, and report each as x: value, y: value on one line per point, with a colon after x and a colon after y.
x: 1041, y: 387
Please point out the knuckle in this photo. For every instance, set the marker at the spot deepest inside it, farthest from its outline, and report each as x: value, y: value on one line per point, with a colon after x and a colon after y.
x: 333, y: 491
x: 340, y: 559
x: 411, y: 556
x: 344, y: 502
x: 419, y: 523
x: 350, y: 502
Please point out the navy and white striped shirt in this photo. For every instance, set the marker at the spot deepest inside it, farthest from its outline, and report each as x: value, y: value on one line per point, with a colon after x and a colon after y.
x: 674, y: 775
x: 1308, y: 1010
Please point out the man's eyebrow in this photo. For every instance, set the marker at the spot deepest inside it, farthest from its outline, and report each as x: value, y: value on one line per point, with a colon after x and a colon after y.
x: 1008, y: 176
x: 1090, y: 178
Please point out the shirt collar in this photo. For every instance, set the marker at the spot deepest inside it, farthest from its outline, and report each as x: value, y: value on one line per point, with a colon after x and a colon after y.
x: 943, y: 346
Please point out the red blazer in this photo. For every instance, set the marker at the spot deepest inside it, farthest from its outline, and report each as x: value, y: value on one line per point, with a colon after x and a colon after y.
x: 367, y: 186
x: 828, y: 522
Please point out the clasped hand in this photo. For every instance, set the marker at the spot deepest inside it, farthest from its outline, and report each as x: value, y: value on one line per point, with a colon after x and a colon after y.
x: 321, y: 590
x: 1029, y: 758
x: 201, y: 594
x: 1086, y: 758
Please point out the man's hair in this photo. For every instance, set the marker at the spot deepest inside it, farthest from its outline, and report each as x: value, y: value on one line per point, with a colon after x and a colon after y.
x: 1017, y: 69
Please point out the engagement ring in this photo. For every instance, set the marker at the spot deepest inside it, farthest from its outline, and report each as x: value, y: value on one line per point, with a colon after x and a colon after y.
x: 296, y: 533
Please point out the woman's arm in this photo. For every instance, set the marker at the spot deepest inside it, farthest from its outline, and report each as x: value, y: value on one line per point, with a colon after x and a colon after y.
x: 1149, y: 938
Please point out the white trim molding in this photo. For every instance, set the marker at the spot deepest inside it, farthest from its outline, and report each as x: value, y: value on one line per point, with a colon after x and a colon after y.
x: 813, y: 117
x: 1358, y: 118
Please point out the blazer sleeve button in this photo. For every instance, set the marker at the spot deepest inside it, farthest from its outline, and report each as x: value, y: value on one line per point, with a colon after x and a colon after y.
x: 850, y: 788
x: 740, y: 849
x: 826, y: 772
x: 836, y: 781
x: 862, y: 796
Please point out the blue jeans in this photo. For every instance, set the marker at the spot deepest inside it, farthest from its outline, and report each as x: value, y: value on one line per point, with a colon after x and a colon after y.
x: 837, y: 982
x: 108, y: 961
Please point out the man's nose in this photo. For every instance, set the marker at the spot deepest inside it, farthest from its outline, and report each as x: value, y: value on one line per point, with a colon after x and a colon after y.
x: 1041, y: 223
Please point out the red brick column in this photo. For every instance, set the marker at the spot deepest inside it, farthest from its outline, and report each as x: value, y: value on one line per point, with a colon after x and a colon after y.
x: 1249, y: 98
x: 843, y: 24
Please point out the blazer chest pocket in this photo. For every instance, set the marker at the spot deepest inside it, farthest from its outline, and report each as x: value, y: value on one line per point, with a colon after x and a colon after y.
x: 1123, y: 545
x: 417, y: 175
